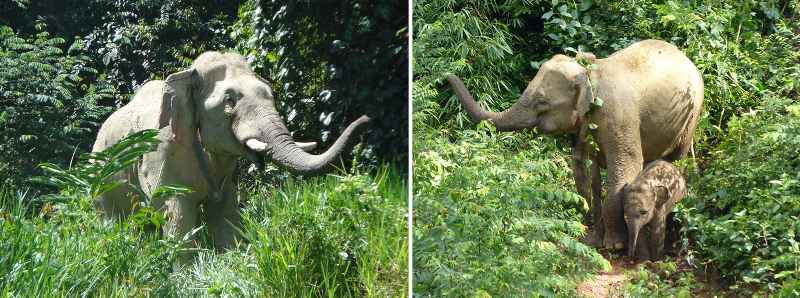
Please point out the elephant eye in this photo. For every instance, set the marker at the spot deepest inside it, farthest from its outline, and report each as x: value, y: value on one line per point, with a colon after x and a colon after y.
x: 642, y: 211
x: 230, y: 97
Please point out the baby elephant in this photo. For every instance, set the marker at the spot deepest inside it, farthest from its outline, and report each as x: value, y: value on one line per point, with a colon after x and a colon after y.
x: 647, y: 201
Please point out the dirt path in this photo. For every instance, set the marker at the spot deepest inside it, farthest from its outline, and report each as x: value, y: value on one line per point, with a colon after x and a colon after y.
x: 605, y: 282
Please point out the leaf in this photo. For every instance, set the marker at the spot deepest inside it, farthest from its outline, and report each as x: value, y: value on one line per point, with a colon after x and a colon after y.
x: 598, y: 102
x: 107, y: 58
x: 592, y: 126
x: 547, y: 15
x: 586, y: 4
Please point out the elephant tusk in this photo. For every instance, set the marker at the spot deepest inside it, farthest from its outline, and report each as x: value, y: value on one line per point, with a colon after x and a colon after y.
x: 306, y: 146
x: 256, y: 145
x: 260, y: 146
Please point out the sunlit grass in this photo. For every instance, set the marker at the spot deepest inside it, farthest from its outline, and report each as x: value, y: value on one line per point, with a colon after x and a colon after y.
x: 328, y: 236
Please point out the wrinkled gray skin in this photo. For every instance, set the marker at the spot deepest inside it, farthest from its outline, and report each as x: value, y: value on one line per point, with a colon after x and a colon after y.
x: 209, y: 116
x: 647, y: 201
x: 653, y: 98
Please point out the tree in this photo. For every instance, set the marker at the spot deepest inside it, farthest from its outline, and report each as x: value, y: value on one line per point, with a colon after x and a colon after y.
x: 48, y: 106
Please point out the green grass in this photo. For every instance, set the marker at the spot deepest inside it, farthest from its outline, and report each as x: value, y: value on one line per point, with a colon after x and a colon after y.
x: 335, y: 236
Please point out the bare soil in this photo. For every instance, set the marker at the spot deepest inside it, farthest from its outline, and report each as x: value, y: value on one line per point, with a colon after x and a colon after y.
x: 606, y: 282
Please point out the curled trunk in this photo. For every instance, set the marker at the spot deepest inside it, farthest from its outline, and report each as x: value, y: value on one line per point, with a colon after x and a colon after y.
x: 288, y: 154
x: 508, y: 120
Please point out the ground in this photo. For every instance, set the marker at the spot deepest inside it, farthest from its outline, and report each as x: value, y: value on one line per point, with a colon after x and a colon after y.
x: 606, y: 282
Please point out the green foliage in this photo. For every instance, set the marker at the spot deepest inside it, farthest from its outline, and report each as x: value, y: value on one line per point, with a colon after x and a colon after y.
x: 661, y: 280
x: 90, y: 178
x: 59, y: 253
x: 62, y: 248
x: 341, y: 236
x: 331, y: 236
x: 747, y: 53
x: 146, y: 40
x: 330, y: 63
x: 492, y: 221
x: 743, y: 210
x: 48, y: 105
x: 473, y: 40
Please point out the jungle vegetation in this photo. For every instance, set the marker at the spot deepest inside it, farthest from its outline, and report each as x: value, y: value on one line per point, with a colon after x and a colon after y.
x: 67, y: 65
x: 496, y: 214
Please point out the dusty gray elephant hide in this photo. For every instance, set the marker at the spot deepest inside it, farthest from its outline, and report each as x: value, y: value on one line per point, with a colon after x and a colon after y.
x: 653, y: 99
x: 209, y: 116
x: 647, y: 201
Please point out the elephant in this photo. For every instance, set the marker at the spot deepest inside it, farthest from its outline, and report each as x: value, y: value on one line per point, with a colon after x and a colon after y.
x: 652, y: 100
x: 647, y: 201
x: 208, y: 117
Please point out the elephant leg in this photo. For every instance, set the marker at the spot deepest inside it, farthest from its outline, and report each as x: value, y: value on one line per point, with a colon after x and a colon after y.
x: 624, y: 160
x: 597, y: 203
x: 223, y: 218
x: 181, y: 217
x: 657, y: 234
x: 582, y: 182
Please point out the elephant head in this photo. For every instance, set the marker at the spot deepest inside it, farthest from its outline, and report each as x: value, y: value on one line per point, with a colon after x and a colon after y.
x: 221, y: 103
x: 641, y: 201
x: 553, y: 102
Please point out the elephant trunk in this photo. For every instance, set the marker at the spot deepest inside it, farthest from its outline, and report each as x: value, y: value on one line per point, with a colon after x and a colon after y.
x: 287, y: 153
x: 633, y: 236
x: 508, y: 120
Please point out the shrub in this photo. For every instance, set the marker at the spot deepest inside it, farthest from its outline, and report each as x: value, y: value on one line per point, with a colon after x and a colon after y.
x: 489, y: 220
x: 742, y: 212
x: 49, y: 105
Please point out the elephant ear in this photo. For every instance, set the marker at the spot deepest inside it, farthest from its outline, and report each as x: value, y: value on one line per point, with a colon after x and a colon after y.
x: 177, y: 106
x: 663, y: 194
x: 178, y: 110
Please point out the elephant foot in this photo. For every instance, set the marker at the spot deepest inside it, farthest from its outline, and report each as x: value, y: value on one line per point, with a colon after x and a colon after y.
x: 613, y: 241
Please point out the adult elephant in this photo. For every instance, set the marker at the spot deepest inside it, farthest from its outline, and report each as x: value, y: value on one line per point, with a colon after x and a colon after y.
x: 653, y: 98
x: 209, y: 116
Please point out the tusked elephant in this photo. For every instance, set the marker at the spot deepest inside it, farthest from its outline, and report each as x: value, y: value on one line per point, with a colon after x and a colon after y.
x: 653, y: 100
x: 209, y: 116
x: 647, y: 201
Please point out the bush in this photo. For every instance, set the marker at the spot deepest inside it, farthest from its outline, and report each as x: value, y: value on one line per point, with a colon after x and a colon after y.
x: 49, y: 105
x: 742, y: 212
x: 492, y: 221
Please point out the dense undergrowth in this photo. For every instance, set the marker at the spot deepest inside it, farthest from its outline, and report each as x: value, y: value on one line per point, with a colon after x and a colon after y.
x: 339, y: 235
x: 742, y: 214
x: 493, y: 220
x: 739, y: 218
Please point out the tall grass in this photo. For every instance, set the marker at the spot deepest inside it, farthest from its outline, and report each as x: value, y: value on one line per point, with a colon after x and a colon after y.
x: 335, y: 236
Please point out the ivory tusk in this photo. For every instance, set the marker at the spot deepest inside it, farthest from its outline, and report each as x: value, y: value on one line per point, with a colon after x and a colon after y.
x: 306, y: 146
x: 256, y: 145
